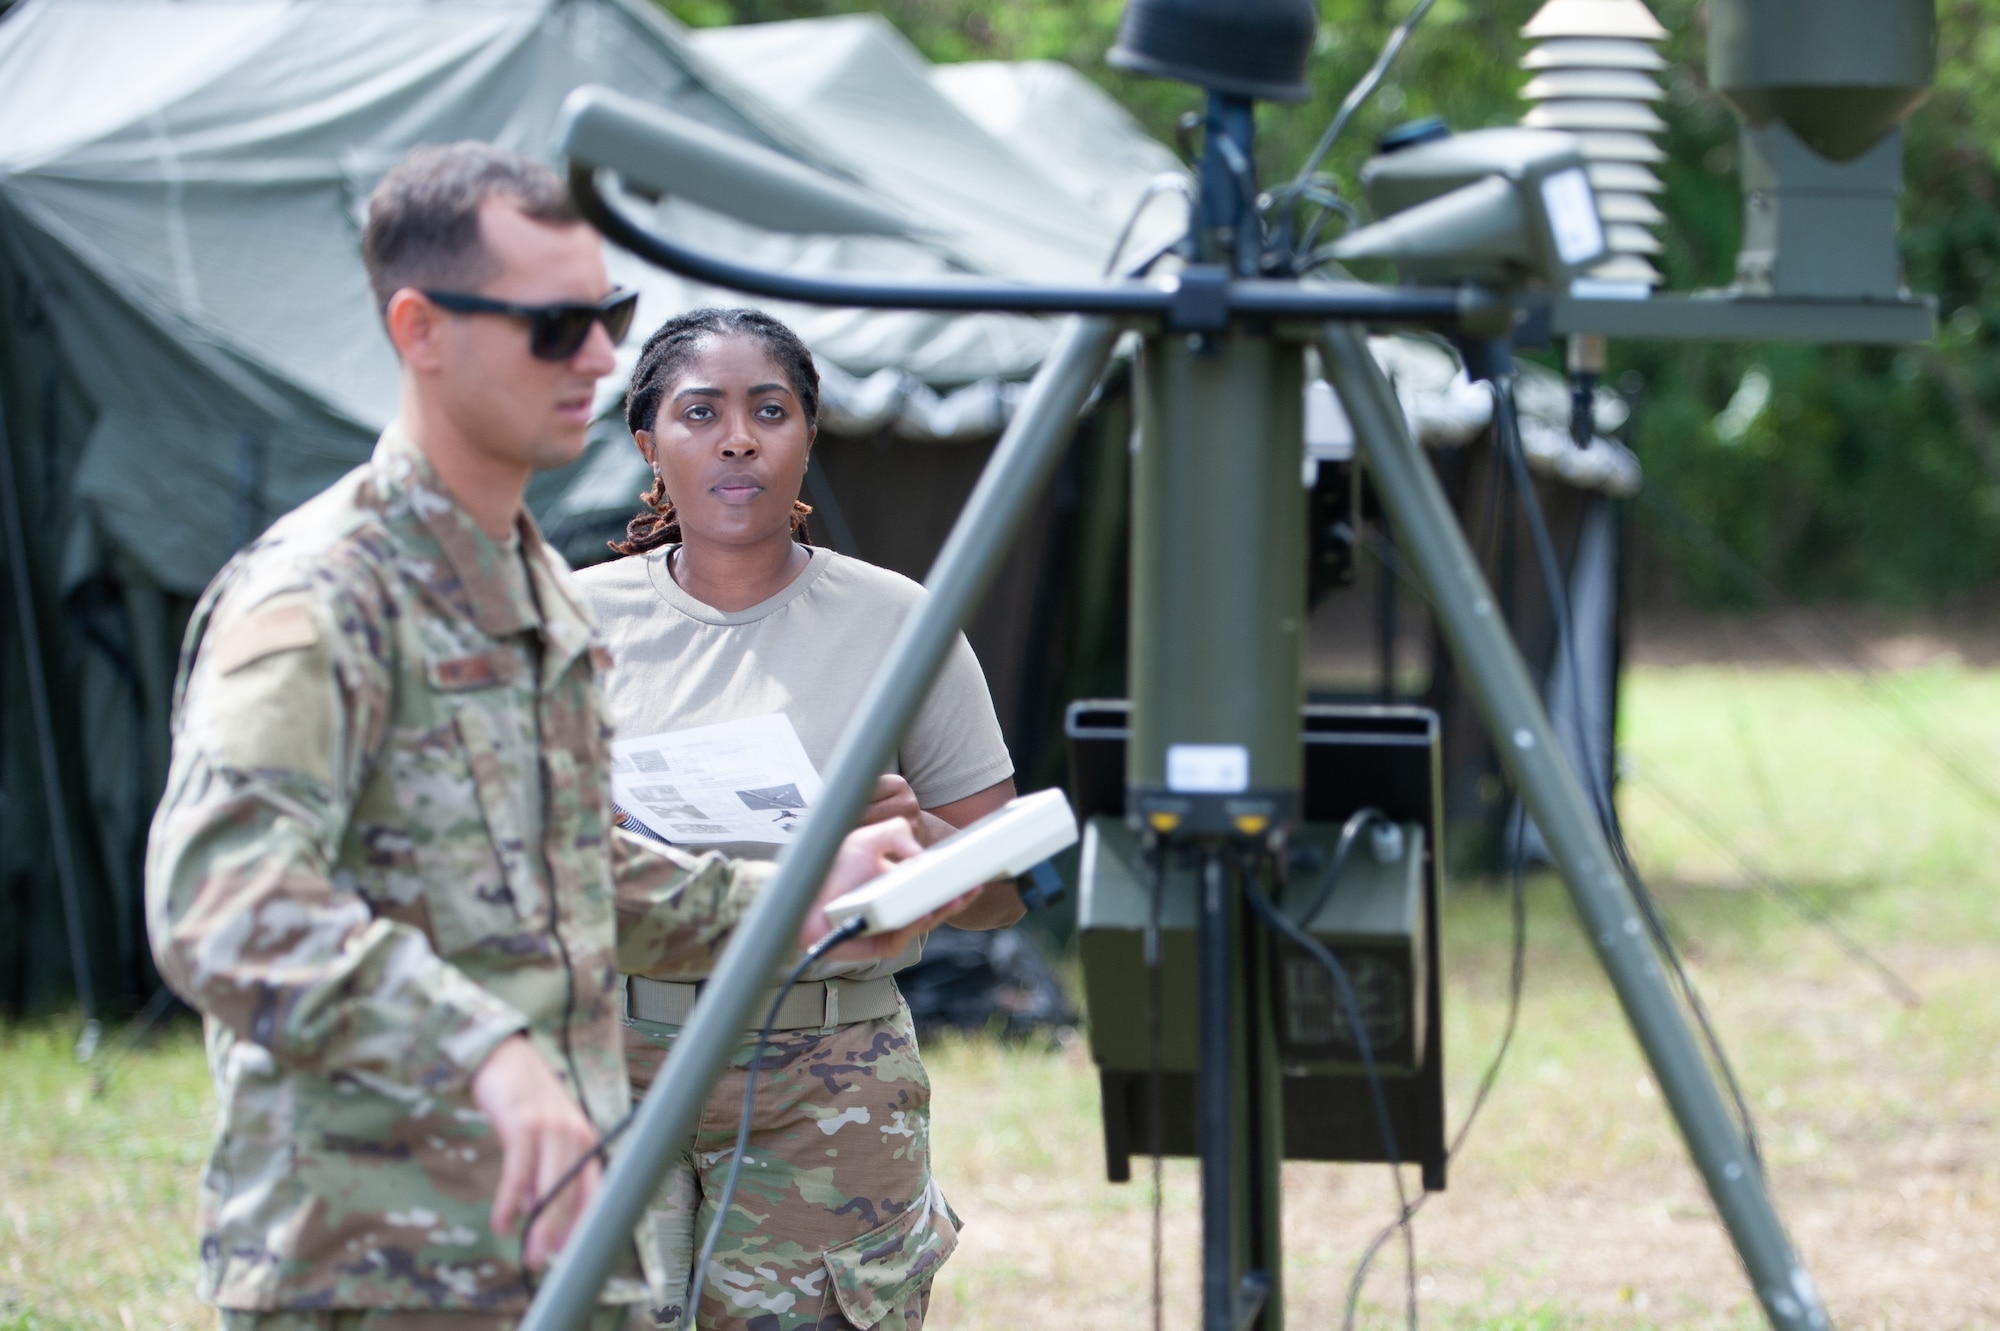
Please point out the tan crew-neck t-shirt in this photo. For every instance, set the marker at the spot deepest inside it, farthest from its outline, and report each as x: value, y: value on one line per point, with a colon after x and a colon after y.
x: 809, y: 652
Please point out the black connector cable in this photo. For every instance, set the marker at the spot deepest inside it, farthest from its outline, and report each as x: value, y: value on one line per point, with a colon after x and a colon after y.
x: 1276, y: 920
x: 1507, y: 429
x: 851, y: 929
x: 1309, y: 182
x: 1156, y: 1113
x: 1516, y: 981
x: 1518, y: 967
x: 1350, y: 832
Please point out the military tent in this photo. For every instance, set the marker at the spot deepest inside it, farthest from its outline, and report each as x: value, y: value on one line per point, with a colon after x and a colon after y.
x: 188, y: 347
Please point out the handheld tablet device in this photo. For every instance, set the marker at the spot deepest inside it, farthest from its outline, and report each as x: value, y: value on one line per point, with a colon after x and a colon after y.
x: 1011, y: 840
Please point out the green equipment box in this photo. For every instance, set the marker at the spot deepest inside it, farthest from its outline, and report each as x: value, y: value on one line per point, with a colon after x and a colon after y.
x: 1379, y: 920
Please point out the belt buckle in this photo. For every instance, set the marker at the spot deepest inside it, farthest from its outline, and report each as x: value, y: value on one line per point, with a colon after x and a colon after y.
x: 830, y: 1015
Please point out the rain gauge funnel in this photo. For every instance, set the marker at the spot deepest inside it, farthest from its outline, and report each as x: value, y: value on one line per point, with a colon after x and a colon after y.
x: 1822, y: 87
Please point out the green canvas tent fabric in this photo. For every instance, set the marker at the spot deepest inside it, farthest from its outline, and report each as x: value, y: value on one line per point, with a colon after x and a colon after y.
x: 188, y: 348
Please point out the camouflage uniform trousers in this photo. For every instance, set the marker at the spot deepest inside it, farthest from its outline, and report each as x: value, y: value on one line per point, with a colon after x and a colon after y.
x: 400, y: 1319
x: 837, y: 1222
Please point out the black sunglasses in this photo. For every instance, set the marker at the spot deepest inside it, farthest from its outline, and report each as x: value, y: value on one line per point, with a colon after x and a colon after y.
x: 555, y: 332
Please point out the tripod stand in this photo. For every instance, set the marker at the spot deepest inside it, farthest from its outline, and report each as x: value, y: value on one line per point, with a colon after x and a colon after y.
x: 1213, y: 764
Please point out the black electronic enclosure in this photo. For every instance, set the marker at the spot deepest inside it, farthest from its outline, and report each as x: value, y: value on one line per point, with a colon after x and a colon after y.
x: 1355, y: 757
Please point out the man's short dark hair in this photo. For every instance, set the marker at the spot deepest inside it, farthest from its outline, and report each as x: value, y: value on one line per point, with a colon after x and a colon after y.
x: 423, y: 218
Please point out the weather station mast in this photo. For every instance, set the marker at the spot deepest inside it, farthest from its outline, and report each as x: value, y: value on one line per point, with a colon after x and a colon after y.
x: 1289, y: 969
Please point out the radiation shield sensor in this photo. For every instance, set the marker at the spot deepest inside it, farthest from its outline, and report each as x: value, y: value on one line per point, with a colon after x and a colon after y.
x: 1006, y: 843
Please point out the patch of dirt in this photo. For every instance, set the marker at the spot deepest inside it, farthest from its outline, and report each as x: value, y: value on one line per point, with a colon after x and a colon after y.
x: 1883, y: 1167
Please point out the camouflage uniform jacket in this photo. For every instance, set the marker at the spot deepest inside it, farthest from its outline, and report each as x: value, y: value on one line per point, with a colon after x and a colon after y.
x: 385, y: 847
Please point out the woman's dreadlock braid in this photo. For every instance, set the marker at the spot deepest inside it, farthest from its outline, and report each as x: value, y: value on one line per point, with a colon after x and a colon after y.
x: 665, y: 353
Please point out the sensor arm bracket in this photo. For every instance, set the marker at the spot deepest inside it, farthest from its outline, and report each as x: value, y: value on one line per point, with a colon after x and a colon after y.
x: 1192, y: 300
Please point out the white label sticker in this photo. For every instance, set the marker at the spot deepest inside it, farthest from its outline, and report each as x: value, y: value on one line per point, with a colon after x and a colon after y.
x: 1208, y: 769
x: 1572, y: 210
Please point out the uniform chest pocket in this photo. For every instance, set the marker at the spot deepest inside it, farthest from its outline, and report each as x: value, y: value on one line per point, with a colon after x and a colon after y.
x: 463, y: 788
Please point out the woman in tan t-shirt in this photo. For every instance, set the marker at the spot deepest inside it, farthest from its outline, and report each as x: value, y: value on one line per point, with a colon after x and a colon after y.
x: 722, y: 611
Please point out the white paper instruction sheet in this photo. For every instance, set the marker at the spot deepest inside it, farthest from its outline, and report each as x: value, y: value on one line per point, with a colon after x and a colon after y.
x: 733, y: 781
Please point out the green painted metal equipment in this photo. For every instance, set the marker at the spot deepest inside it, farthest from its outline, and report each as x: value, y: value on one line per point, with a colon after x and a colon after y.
x: 1218, y: 583
x: 1194, y: 870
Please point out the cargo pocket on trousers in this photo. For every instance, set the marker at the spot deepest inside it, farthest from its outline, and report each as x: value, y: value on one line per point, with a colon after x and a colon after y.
x: 666, y: 1247
x: 870, y: 1275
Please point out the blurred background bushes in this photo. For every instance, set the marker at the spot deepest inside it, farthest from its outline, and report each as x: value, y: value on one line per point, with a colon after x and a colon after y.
x: 1843, y: 473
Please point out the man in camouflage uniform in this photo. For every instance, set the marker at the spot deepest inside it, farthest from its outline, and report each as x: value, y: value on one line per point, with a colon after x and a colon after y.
x: 384, y: 868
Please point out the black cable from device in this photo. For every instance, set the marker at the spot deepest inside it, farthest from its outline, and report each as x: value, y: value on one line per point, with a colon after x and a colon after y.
x: 1158, y: 185
x: 1276, y: 920
x: 1518, y: 969
x: 1155, y: 1079
x: 1359, y: 93
x: 1350, y: 833
x: 1596, y: 784
x: 1507, y: 432
x: 853, y: 928
x: 1516, y: 981
x: 598, y: 1151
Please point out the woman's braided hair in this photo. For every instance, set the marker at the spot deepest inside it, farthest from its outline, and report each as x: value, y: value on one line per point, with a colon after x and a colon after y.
x: 665, y: 353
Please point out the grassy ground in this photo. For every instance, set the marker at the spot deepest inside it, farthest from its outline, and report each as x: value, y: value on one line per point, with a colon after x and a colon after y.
x: 1572, y: 1205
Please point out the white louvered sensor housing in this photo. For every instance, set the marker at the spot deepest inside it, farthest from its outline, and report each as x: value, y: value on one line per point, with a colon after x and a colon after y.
x: 1594, y: 72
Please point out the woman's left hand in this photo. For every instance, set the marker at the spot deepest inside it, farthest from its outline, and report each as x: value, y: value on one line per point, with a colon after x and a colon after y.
x: 893, y: 798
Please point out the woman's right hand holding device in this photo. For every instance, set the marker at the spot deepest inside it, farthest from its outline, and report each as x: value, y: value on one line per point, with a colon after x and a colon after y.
x: 867, y: 852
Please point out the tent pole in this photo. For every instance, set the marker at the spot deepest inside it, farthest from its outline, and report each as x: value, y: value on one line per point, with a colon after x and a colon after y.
x: 45, y: 742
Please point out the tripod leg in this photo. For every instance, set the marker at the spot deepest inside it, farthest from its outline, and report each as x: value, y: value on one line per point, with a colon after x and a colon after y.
x: 1015, y: 475
x: 1430, y: 539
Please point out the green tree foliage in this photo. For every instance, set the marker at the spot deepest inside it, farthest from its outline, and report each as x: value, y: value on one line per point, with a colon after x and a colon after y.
x: 1842, y: 472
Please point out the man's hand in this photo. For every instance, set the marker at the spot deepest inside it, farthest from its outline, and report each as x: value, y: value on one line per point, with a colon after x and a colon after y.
x: 867, y: 852
x: 542, y: 1133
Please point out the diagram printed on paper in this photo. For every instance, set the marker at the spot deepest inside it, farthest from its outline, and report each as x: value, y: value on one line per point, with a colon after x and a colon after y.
x: 737, y: 781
